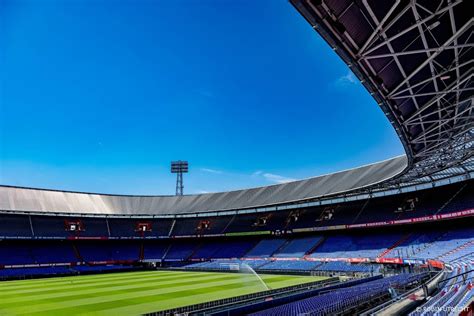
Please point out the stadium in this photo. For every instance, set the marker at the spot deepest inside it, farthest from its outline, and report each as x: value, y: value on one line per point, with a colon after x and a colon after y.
x: 394, y: 237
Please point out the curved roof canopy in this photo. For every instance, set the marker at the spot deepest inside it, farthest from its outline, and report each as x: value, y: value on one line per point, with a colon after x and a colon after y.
x: 34, y: 200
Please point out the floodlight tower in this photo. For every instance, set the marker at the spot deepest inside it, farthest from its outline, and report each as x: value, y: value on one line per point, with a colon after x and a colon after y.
x: 179, y: 167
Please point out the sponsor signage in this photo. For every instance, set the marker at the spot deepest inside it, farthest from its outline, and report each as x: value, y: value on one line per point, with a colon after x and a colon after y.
x: 87, y: 238
x: 413, y: 261
x: 263, y: 232
x: 287, y: 259
x: 389, y: 260
x: 358, y: 260
x: 415, y: 219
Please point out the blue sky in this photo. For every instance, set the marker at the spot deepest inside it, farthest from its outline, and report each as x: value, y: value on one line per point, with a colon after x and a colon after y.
x: 102, y: 95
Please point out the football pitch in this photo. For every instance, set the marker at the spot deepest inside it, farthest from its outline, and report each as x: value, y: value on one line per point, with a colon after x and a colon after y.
x: 130, y: 293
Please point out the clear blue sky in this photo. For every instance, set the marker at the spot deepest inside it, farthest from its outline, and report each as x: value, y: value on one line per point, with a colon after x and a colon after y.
x: 102, y: 95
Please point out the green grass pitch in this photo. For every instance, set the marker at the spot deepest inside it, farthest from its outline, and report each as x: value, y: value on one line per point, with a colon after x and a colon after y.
x: 130, y: 293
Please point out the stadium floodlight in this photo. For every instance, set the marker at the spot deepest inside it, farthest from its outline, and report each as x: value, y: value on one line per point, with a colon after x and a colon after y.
x: 179, y: 167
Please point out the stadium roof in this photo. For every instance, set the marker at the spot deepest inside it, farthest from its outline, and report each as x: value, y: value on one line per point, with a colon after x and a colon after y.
x: 416, y: 60
x: 39, y: 200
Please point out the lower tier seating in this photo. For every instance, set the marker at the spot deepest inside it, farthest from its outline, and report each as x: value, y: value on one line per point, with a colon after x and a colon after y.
x: 342, y: 300
x: 319, y: 252
x: 457, y: 291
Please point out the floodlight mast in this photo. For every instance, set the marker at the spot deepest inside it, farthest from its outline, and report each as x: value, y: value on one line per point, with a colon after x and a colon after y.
x: 179, y: 167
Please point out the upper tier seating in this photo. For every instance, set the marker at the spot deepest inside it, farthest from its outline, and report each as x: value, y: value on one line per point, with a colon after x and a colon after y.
x: 53, y: 226
x: 191, y: 226
x: 161, y: 227
x: 15, y: 226
x: 123, y: 228
x: 464, y: 199
x: 243, y: 223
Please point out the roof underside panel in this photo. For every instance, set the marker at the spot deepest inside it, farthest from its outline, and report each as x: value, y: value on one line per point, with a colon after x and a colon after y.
x: 416, y: 58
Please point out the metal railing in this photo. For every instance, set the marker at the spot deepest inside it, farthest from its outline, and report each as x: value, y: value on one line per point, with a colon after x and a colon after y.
x: 185, y: 310
x: 383, y: 307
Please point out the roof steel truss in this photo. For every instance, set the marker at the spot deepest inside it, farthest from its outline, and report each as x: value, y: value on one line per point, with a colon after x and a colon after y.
x: 416, y: 58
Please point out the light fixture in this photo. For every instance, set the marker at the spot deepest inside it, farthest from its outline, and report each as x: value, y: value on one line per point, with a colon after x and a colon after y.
x: 432, y: 26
